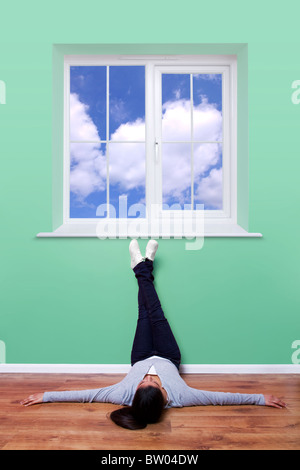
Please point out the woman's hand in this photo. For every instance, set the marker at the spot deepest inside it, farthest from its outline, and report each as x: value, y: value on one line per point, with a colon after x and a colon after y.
x: 32, y: 399
x: 274, y: 401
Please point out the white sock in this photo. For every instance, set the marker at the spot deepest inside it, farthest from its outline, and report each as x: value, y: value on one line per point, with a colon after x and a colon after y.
x: 135, y: 253
x: 151, y: 249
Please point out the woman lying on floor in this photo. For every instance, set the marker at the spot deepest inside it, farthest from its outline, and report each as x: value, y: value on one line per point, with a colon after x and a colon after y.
x: 153, y: 382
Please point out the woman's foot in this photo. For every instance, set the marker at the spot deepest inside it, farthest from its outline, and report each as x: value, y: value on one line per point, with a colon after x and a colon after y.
x: 135, y: 253
x: 151, y: 249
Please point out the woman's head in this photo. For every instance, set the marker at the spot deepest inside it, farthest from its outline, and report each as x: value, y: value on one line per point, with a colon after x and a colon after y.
x: 147, y: 406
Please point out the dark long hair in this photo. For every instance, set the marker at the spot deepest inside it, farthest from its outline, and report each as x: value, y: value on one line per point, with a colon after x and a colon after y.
x: 147, y: 407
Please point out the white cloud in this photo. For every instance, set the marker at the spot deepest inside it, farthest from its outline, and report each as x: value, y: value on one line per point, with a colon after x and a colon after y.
x: 127, y: 165
x: 207, y: 122
x: 208, y: 76
x: 177, y: 168
x: 88, y: 163
x: 176, y: 125
x: 89, y: 175
x: 209, y: 189
x: 117, y: 109
x: 127, y: 160
x: 176, y: 171
x: 176, y: 122
x: 82, y: 126
x: 205, y: 157
x: 130, y: 131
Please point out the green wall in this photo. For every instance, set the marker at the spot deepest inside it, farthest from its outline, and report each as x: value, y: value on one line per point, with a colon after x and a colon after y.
x: 74, y: 300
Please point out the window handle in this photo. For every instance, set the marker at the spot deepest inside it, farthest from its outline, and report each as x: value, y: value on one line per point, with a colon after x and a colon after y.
x: 156, y: 151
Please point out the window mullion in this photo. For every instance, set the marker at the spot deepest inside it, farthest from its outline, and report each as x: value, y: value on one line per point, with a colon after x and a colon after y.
x: 107, y: 140
x: 153, y: 123
x: 192, y: 140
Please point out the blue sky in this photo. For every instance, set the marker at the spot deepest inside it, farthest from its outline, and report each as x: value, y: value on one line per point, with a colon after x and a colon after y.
x: 127, y: 123
x: 126, y: 105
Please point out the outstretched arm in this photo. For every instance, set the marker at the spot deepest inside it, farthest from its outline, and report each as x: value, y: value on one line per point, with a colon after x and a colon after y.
x: 111, y: 394
x: 67, y: 396
x: 201, y: 397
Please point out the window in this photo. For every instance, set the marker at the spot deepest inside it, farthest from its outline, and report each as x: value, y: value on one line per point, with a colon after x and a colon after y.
x: 150, y: 145
x: 191, y: 139
x: 107, y: 139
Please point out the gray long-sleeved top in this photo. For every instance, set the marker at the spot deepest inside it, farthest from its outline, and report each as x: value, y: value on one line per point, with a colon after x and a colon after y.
x: 179, y: 393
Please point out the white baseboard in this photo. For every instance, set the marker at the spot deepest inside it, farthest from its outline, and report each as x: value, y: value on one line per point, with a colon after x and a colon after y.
x: 124, y: 368
x: 241, y: 368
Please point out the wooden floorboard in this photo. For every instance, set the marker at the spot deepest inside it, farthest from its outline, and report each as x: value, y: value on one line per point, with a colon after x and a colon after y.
x: 86, y: 426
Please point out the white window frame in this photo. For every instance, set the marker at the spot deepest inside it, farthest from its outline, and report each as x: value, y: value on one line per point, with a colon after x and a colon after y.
x: 213, y: 222
x: 229, y: 198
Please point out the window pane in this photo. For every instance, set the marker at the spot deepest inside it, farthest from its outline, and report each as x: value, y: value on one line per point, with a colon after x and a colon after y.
x: 176, y: 107
x: 207, y: 113
x: 176, y: 176
x: 87, y: 179
x: 208, y: 186
x: 87, y: 103
x: 127, y: 179
x: 127, y: 103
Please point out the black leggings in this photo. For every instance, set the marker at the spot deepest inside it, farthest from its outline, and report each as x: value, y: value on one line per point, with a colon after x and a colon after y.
x: 153, y: 336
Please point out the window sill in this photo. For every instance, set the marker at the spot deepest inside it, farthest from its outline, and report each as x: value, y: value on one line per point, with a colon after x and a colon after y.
x: 91, y: 230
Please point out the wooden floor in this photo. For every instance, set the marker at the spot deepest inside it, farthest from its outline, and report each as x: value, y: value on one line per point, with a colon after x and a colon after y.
x: 67, y: 426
